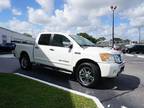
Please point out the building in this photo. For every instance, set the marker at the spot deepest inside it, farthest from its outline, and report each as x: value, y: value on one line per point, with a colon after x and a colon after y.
x: 8, y: 36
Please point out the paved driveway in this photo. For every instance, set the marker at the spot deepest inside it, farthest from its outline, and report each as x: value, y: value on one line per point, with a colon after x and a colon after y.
x: 125, y: 91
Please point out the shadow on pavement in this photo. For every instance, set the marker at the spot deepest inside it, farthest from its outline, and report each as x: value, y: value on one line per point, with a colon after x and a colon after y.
x: 122, y: 82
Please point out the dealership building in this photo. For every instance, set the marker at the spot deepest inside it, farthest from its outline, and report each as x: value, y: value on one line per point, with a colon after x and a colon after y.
x: 8, y: 36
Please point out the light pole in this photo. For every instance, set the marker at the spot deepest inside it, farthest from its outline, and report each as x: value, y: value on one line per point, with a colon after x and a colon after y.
x: 113, y: 8
x: 139, y: 30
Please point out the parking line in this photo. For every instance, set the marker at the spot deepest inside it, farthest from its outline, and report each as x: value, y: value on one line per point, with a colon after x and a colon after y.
x: 136, y: 55
x: 129, y: 55
x: 7, y: 56
x: 140, y: 56
x: 96, y: 100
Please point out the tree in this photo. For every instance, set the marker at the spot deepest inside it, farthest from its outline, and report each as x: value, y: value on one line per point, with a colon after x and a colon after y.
x: 101, y: 39
x: 117, y: 40
x: 126, y: 40
x: 87, y: 36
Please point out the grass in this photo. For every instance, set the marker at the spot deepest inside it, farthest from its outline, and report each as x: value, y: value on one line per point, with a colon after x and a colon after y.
x: 19, y: 92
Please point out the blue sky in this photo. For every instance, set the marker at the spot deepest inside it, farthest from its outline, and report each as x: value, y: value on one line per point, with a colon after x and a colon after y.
x: 22, y: 5
x: 73, y: 16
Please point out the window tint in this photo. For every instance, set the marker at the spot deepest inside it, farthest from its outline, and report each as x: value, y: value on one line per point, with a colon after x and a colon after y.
x: 58, y: 40
x: 141, y: 46
x: 44, y: 39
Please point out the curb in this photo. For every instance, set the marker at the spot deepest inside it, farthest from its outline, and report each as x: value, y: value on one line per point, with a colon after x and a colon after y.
x: 129, y: 55
x: 96, y: 100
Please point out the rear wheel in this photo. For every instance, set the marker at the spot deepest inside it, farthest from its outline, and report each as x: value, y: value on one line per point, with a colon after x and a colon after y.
x: 137, y: 52
x: 25, y: 62
x: 88, y: 74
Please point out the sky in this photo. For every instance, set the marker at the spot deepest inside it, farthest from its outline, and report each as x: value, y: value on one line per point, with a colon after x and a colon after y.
x: 74, y: 16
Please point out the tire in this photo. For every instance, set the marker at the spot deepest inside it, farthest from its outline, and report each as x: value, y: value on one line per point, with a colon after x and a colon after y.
x: 88, y: 74
x: 137, y: 52
x: 25, y: 62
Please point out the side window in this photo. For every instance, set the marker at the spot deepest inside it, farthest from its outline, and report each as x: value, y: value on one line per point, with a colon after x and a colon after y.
x: 59, y: 40
x: 138, y: 47
x: 134, y: 47
x: 142, y: 47
x: 44, y: 39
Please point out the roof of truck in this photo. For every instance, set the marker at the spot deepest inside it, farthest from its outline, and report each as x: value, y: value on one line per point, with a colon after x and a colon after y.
x: 55, y: 33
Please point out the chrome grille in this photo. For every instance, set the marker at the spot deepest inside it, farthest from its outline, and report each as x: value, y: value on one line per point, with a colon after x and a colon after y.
x: 118, y: 58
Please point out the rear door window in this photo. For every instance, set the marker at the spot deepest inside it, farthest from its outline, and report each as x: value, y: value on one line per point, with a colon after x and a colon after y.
x: 44, y: 39
x: 59, y: 40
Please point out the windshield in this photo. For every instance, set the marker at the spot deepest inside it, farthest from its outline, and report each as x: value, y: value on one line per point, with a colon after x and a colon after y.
x: 82, y: 41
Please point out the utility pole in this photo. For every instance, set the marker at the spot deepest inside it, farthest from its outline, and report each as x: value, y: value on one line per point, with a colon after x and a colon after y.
x: 139, y: 30
x: 113, y: 8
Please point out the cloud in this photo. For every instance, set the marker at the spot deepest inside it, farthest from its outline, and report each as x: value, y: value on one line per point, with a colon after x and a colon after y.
x: 135, y: 15
x: 20, y: 26
x: 37, y: 16
x: 5, y: 4
x: 46, y: 5
x: 41, y: 15
x: 16, y: 12
x: 67, y: 19
x: 86, y: 16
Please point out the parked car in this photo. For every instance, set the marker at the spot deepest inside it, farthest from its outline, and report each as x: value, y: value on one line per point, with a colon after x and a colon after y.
x: 137, y: 48
x: 7, y: 47
x: 71, y: 54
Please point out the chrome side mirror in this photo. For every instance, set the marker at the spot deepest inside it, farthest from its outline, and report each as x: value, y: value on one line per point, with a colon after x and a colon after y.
x: 68, y: 45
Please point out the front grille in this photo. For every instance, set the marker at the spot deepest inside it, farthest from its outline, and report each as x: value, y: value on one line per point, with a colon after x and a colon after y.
x: 118, y: 58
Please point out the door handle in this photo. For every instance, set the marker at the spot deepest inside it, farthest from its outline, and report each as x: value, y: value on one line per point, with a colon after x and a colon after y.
x: 51, y: 49
x: 36, y: 47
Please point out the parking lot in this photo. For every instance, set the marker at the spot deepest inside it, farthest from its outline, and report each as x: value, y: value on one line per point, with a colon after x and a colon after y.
x: 126, y: 91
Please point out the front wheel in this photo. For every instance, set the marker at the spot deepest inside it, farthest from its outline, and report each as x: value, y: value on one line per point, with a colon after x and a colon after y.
x: 25, y: 62
x: 88, y: 74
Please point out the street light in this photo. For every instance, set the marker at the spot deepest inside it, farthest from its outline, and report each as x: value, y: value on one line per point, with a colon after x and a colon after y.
x: 113, y: 8
x: 139, y: 30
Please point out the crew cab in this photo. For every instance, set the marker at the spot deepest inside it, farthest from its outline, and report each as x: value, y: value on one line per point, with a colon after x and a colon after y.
x: 72, y: 54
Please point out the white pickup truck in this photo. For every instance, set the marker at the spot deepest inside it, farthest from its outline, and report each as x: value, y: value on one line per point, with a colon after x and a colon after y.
x: 72, y: 54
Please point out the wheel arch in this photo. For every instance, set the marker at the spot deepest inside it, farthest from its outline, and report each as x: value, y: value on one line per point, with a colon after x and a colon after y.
x: 24, y: 53
x: 83, y: 61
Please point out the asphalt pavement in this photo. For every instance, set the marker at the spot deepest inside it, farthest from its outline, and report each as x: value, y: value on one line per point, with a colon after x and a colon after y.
x: 126, y: 91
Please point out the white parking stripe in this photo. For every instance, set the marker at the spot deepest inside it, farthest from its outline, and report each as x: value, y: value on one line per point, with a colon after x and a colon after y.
x: 129, y: 55
x: 136, y: 55
x: 7, y: 56
x: 96, y: 100
x: 140, y: 56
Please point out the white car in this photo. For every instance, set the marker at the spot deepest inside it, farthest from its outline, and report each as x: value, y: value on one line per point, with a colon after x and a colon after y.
x: 72, y: 54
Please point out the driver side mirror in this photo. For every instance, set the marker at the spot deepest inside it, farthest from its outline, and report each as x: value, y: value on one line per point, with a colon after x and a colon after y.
x: 68, y: 45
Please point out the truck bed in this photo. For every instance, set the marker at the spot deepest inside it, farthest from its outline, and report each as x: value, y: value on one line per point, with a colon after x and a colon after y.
x: 24, y: 46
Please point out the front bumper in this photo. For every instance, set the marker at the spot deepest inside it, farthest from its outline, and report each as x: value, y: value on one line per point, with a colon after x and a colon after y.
x: 111, y: 70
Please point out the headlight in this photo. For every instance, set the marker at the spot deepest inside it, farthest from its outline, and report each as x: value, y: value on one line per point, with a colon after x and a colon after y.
x: 112, y: 58
x: 106, y: 57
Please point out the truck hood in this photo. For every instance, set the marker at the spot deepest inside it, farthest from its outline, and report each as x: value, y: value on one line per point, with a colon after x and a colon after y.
x: 101, y: 50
